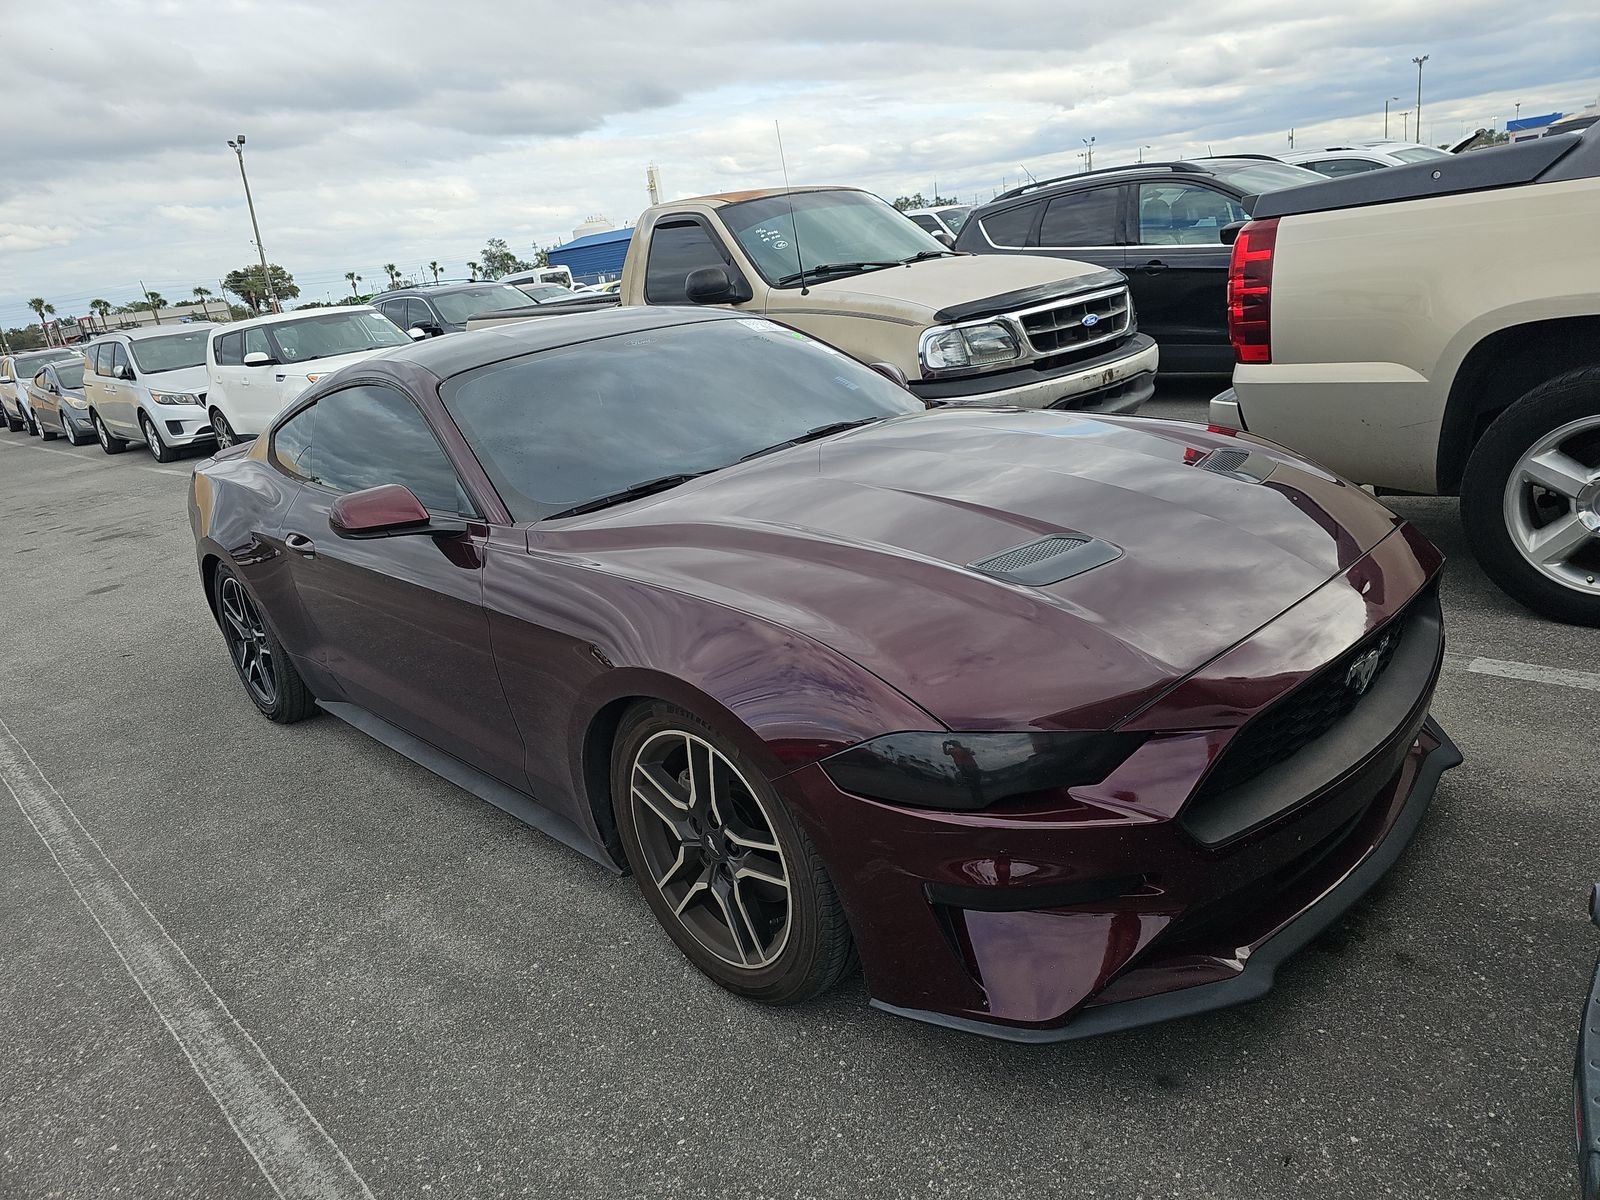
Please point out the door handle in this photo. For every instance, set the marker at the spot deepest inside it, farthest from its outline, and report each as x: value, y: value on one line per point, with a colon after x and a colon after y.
x: 300, y: 544
x: 1153, y: 267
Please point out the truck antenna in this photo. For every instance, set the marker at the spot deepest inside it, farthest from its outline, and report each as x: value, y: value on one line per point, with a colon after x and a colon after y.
x: 788, y: 195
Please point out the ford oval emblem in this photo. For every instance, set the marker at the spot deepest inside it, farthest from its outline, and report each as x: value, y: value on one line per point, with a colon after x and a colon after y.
x: 1090, y: 320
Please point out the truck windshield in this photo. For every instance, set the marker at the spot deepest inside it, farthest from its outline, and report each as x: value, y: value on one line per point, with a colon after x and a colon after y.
x: 840, y: 233
x: 563, y: 428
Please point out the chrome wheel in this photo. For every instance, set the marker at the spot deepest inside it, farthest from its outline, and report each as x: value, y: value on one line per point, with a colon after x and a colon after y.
x: 247, y: 642
x: 100, y: 432
x: 152, y: 438
x: 1552, y: 504
x: 709, y: 849
x: 224, y: 431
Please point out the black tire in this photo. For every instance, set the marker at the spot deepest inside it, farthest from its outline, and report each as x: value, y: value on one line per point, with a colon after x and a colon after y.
x: 162, y: 452
x: 68, y: 432
x: 288, y: 700
x: 1553, y: 405
x: 31, y: 422
x: 14, y: 424
x: 816, y: 948
x: 225, y: 435
x: 48, y: 435
x: 109, y: 442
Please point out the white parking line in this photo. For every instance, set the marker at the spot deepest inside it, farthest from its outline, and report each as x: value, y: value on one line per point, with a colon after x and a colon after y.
x: 294, y: 1152
x: 1554, y: 676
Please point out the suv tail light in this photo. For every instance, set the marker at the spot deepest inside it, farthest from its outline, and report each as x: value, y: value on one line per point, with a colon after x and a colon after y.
x: 1250, y: 291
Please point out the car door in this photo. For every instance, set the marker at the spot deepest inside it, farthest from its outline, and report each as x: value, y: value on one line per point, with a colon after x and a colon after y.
x: 8, y: 386
x: 42, y: 399
x: 118, y: 406
x: 1178, y: 269
x: 224, y: 369
x: 1085, y: 224
x: 398, y: 621
x: 251, y: 391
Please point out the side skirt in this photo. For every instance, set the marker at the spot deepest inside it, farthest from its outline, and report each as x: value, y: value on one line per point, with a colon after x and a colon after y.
x: 469, y: 779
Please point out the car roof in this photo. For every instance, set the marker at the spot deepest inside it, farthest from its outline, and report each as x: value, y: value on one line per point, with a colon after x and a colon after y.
x: 294, y: 314
x: 147, y: 331
x: 760, y: 194
x: 458, y: 352
x: 435, y: 289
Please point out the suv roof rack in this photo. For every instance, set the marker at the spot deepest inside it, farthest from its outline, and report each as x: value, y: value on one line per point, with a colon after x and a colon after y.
x: 1178, y: 165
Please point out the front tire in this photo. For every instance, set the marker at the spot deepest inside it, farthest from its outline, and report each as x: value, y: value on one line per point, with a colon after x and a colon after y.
x: 721, y: 861
x: 48, y: 435
x: 269, y: 677
x: 162, y: 452
x: 68, y: 432
x: 109, y: 442
x: 1530, y: 498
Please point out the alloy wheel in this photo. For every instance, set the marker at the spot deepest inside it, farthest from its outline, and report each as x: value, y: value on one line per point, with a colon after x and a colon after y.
x: 152, y: 437
x: 247, y: 642
x: 1552, y: 504
x: 224, y: 431
x: 101, y: 433
x: 709, y: 849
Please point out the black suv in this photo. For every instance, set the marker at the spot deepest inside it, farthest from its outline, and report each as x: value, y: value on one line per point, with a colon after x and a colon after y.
x: 1160, y: 224
x: 446, y: 307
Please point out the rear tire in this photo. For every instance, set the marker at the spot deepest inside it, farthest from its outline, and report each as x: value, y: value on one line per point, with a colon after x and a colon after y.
x: 735, y: 881
x: 31, y: 422
x: 1530, y: 498
x: 109, y: 442
x: 225, y: 435
x: 14, y: 424
x: 268, y: 675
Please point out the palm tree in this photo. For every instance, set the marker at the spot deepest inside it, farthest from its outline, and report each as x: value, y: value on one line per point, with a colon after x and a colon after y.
x: 201, y: 294
x: 156, y: 300
x: 102, y: 308
x: 51, y: 310
x: 38, y: 305
x: 436, y: 269
x: 354, y: 279
x: 393, y: 272
x: 472, y: 269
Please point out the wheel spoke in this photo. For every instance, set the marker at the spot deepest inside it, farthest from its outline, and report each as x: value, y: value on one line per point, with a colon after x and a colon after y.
x: 1559, y: 540
x: 702, y: 884
x: 746, y: 920
x: 1557, y: 472
x: 749, y: 867
x: 702, y: 776
x: 749, y: 839
x: 744, y: 938
x: 676, y: 869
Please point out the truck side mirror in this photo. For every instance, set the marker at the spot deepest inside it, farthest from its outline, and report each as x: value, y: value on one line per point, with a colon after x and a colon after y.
x: 709, y: 285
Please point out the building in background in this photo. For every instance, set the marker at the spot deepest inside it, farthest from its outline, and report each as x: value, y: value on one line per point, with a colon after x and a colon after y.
x: 1530, y: 127
x: 596, y: 258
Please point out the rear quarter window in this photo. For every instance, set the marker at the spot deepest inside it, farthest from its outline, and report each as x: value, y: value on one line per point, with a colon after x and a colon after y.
x: 1012, y: 226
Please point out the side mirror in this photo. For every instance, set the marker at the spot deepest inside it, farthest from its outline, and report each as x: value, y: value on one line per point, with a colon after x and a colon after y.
x: 257, y: 358
x: 416, y: 333
x: 1229, y: 233
x: 125, y: 373
x: 389, y: 510
x: 891, y: 372
x: 52, y: 389
x: 709, y: 285
x: 945, y: 239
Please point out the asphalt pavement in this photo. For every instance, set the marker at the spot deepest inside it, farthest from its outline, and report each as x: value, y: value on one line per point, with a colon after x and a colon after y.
x: 464, y: 1007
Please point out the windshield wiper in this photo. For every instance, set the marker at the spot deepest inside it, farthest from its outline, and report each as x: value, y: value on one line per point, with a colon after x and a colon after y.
x: 633, y: 492
x: 812, y: 435
x: 847, y: 268
x: 923, y: 255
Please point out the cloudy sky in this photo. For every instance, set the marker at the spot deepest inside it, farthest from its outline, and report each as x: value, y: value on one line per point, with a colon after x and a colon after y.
x: 403, y: 131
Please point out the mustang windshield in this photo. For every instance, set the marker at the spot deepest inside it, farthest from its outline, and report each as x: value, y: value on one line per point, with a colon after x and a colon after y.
x: 565, y: 427
x: 847, y: 231
x: 171, y: 353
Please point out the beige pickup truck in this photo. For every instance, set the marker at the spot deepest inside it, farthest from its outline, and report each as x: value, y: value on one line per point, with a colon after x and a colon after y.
x: 840, y: 264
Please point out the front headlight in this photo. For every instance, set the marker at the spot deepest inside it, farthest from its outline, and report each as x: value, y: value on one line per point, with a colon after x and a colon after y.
x: 962, y: 347
x: 175, y: 398
x: 73, y: 400
x: 970, y: 771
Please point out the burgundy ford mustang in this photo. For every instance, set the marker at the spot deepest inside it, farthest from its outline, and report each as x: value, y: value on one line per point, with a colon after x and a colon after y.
x: 1061, y: 724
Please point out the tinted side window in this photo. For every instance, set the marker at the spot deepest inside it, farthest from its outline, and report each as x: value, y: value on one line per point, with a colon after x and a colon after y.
x: 927, y: 222
x: 119, y: 360
x: 416, y: 312
x: 395, y: 310
x: 370, y: 435
x: 292, y: 439
x: 1081, y: 219
x: 1012, y: 226
x: 676, y: 248
x: 230, y: 350
x: 1335, y: 167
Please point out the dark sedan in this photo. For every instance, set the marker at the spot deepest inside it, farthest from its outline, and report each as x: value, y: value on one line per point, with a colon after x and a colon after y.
x: 1060, y: 724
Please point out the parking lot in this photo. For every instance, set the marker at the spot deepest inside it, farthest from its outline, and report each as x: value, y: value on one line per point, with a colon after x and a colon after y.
x: 467, y: 1008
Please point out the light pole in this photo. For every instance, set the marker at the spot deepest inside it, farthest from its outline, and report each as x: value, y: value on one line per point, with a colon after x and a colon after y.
x: 1405, y: 125
x: 1419, y: 62
x: 1142, y: 149
x: 237, y: 146
x: 1089, y: 153
x: 1386, y: 104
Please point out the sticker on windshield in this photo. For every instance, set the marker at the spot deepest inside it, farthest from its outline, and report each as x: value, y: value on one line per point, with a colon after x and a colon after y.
x: 843, y: 382
x: 760, y: 325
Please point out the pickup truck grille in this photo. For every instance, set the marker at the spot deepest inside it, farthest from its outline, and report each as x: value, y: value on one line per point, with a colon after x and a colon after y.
x: 1068, y: 325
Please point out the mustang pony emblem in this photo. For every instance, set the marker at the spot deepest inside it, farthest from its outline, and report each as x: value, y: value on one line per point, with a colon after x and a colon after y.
x: 1359, y: 676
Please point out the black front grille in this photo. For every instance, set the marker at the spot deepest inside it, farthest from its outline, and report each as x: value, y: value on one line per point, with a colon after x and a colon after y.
x: 1304, y: 715
x: 1060, y: 328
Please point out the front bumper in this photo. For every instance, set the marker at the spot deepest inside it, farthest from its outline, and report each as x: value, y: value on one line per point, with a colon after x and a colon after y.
x: 77, y: 420
x: 1146, y: 897
x: 182, y: 424
x: 1118, y: 381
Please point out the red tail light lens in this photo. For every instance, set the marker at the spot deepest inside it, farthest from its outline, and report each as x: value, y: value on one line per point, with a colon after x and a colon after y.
x: 1250, y: 291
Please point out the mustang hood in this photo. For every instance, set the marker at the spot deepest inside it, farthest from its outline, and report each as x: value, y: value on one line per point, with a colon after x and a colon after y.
x: 863, y: 541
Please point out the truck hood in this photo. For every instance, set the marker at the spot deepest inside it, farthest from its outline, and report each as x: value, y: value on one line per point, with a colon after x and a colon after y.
x: 184, y: 379
x: 941, y: 289
x: 863, y: 543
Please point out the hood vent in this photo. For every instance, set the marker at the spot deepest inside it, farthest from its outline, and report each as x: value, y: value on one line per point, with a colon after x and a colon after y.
x: 1240, y: 464
x: 1048, y: 560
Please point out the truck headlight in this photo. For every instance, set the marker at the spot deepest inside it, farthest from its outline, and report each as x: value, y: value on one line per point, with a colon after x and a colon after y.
x: 175, y: 397
x: 963, y: 347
